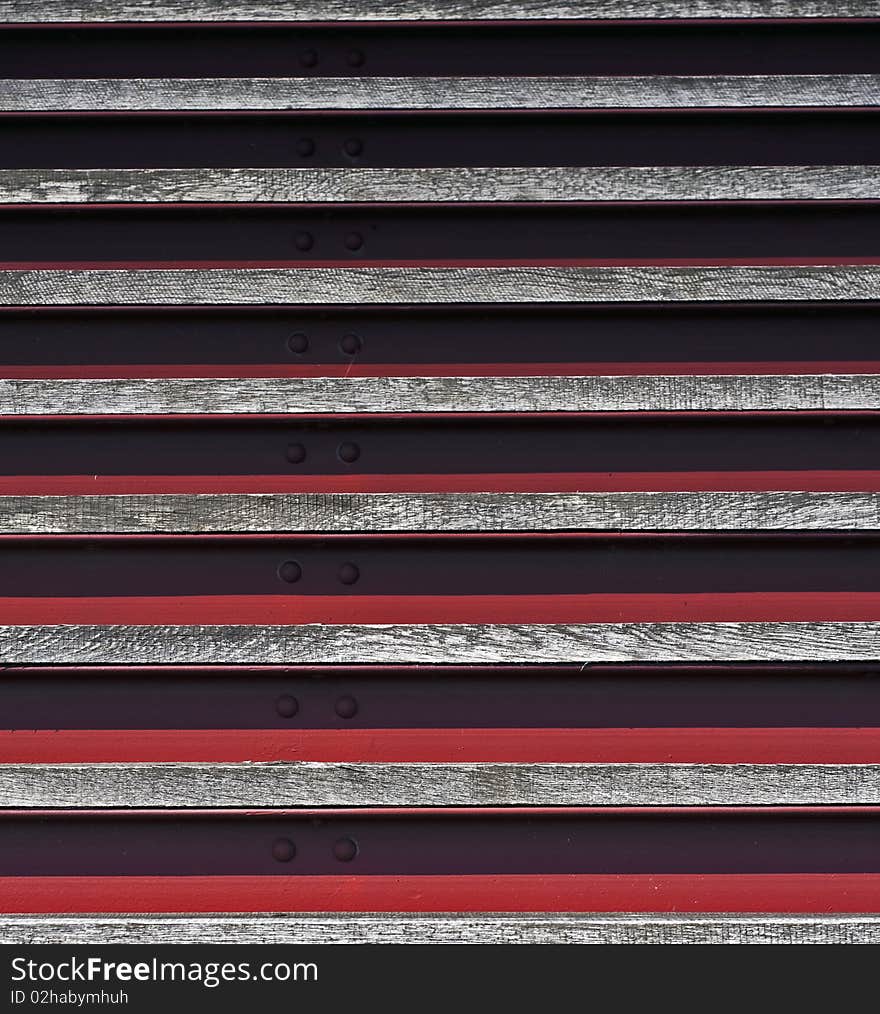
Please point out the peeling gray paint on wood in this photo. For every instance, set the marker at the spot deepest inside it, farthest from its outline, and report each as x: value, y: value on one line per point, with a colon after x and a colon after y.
x: 430, y: 512
x: 310, y: 928
x: 332, y: 395
x: 430, y: 285
x: 600, y: 183
x: 586, y: 643
x: 37, y: 11
x: 312, y: 784
x: 617, y: 92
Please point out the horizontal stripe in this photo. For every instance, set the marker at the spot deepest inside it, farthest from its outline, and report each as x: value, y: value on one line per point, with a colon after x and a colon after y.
x: 528, y: 609
x: 337, y: 395
x: 308, y: 784
x: 441, y: 928
x: 18, y: 11
x: 651, y: 183
x: 532, y: 746
x: 357, y: 285
x: 521, y: 368
x: 842, y: 481
x: 424, y: 512
x: 617, y: 92
x: 453, y: 643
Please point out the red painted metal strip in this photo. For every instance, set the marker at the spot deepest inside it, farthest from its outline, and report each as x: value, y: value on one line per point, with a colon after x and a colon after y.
x: 827, y: 481
x: 559, y: 746
x: 332, y: 609
x: 452, y: 262
x: 508, y: 369
x: 480, y: 893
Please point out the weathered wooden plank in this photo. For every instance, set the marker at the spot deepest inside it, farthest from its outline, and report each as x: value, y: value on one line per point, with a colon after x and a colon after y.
x: 441, y: 928
x: 18, y: 11
x: 617, y: 92
x: 312, y: 784
x: 71, y: 644
x: 333, y: 395
x: 451, y: 184
x: 429, y: 285
x: 426, y: 512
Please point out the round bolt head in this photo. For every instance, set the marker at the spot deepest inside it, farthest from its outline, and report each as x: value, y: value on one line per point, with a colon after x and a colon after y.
x: 305, y: 146
x: 355, y: 58
x: 296, y: 454
x: 345, y: 849
x: 303, y: 241
x: 283, y: 850
x: 353, y: 146
x: 349, y: 573
x: 308, y: 58
x: 287, y: 706
x: 350, y: 344
x: 290, y: 572
x: 346, y: 707
x: 298, y: 343
x: 354, y: 241
x: 348, y: 452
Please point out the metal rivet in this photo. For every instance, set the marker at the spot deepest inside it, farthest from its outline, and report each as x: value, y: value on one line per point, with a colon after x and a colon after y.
x: 348, y: 452
x: 353, y: 146
x: 303, y: 241
x: 354, y: 241
x: 305, y: 146
x: 296, y: 454
x: 287, y: 706
x: 309, y: 58
x: 298, y: 343
x: 283, y: 850
x: 290, y: 572
x: 349, y: 573
x: 346, y: 707
x: 345, y: 849
x: 350, y: 344
x: 355, y: 58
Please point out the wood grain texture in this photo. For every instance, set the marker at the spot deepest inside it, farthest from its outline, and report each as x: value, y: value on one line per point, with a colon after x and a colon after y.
x: 72, y: 644
x: 428, y: 512
x: 648, y: 183
x: 445, y: 928
x: 332, y: 395
x: 18, y: 11
x: 430, y: 285
x: 313, y: 784
x: 651, y: 92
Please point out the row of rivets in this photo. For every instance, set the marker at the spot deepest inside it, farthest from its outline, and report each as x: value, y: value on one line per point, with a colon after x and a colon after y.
x: 347, y: 451
x: 287, y: 706
x: 352, y: 146
x: 349, y: 344
x: 304, y: 241
x: 345, y: 849
x: 311, y: 58
x: 290, y: 571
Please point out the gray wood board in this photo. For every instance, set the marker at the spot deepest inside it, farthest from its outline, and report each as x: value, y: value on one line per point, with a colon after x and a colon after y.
x: 618, y: 92
x: 430, y: 285
x: 428, y: 512
x: 18, y: 11
x: 599, y: 183
x: 333, y: 395
x: 72, y: 644
x: 312, y: 784
x: 309, y: 928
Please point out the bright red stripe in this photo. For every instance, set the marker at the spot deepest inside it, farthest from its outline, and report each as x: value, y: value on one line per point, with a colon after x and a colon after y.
x: 535, y: 746
x: 478, y: 482
x: 341, y: 609
x: 720, y: 892
x: 507, y: 369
